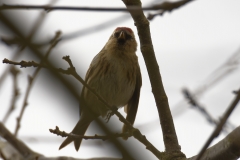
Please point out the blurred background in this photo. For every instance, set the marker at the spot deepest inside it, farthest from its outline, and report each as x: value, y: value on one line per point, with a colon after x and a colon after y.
x: 197, y: 47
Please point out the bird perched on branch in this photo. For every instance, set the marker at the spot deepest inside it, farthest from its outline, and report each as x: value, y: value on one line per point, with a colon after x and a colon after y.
x: 115, y: 75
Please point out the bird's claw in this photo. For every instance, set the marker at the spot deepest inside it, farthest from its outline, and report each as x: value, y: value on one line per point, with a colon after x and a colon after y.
x: 110, y: 114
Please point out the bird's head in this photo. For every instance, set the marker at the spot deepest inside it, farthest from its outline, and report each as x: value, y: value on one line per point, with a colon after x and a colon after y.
x: 123, y: 38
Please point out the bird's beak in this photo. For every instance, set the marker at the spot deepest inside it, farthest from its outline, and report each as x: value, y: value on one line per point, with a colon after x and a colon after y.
x: 122, y: 36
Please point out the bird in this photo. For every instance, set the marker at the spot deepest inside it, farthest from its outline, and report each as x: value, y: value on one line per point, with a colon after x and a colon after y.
x: 114, y: 74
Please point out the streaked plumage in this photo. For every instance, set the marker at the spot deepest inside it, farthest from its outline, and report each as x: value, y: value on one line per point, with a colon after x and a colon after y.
x: 115, y: 75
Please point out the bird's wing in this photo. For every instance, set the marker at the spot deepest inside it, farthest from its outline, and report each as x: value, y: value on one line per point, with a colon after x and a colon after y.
x: 90, y: 73
x: 132, y: 106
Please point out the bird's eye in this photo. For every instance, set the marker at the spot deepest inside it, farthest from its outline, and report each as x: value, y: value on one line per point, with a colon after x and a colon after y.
x: 116, y: 34
x: 129, y: 36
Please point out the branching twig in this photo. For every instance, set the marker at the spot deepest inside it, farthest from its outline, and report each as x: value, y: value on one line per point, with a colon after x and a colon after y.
x: 161, y: 99
x: 63, y: 80
x: 161, y: 8
x: 27, y: 154
x: 220, y: 125
x: 33, y: 77
x: 133, y: 131
x: 24, y: 64
x: 14, y: 72
x: 167, y: 6
x: 226, y: 149
x: 19, y: 42
x: 71, y: 71
x: 74, y: 136
x: 189, y: 96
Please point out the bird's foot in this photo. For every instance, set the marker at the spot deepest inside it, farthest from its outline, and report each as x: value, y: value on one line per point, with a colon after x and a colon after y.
x: 110, y: 113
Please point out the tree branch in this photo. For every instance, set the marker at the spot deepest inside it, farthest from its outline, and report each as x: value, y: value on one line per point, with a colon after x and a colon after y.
x: 168, y: 129
x: 192, y: 100
x: 22, y: 152
x: 71, y: 71
x: 70, y: 88
x: 166, y: 6
x: 74, y: 136
x: 226, y: 149
x: 18, y: 145
x: 14, y: 72
x: 220, y: 125
x: 31, y: 79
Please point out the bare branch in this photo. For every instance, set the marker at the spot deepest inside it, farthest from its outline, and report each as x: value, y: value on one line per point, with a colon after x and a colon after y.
x: 133, y: 131
x: 14, y: 72
x: 74, y: 136
x: 24, y: 64
x: 17, y: 40
x: 166, y: 121
x: 166, y: 6
x: 63, y: 80
x: 192, y: 100
x: 220, y: 125
x: 20, y: 150
x: 18, y: 145
x: 33, y: 77
x: 226, y: 149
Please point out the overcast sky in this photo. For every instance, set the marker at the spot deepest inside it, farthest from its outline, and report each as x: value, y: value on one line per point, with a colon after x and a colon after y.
x: 190, y: 43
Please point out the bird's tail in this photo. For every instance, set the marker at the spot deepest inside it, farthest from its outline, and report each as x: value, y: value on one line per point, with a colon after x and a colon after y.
x: 79, y: 129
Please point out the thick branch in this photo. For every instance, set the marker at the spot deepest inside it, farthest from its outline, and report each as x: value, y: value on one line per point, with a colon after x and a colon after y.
x: 168, y: 129
x: 218, y: 128
x: 226, y: 149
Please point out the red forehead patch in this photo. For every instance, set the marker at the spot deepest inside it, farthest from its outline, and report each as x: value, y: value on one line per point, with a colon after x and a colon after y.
x: 124, y: 28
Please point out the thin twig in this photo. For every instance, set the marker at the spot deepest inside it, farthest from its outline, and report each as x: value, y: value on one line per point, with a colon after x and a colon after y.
x: 192, y: 100
x: 218, y: 75
x: 74, y: 136
x: 17, y: 40
x: 163, y: 7
x: 14, y: 72
x: 72, y: 71
x: 168, y: 6
x: 133, y: 131
x: 220, y: 125
x: 64, y: 81
x: 32, y: 78
x: 27, y: 154
x: 24, y: 64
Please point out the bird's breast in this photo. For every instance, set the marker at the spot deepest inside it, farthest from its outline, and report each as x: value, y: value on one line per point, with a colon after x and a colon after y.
x: 114, y: 81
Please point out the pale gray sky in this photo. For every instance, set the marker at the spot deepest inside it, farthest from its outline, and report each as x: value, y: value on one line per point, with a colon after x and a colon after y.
x: 190, y: 43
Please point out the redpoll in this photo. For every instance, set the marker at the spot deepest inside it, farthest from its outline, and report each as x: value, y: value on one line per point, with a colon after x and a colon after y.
x: 115, y: 75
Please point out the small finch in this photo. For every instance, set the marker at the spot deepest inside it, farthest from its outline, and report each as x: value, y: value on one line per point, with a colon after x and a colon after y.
x: 115, y: 75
